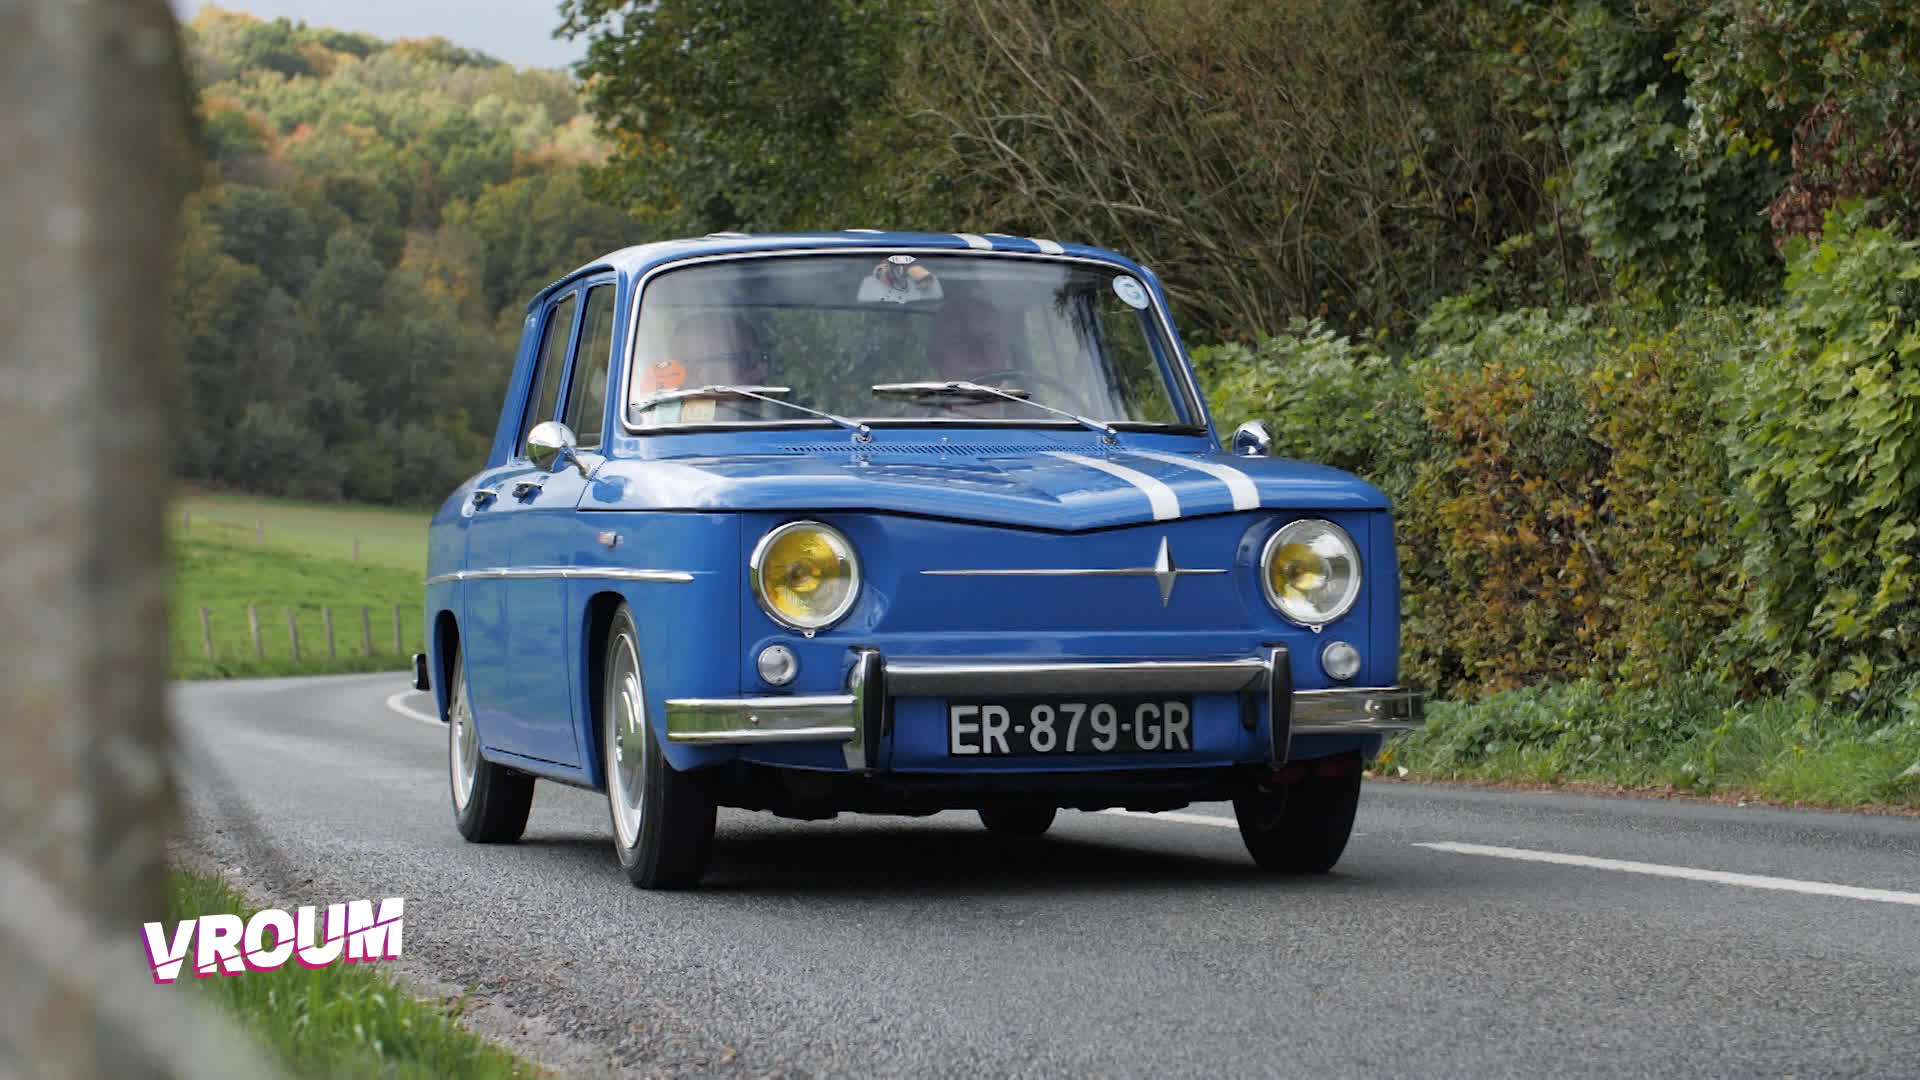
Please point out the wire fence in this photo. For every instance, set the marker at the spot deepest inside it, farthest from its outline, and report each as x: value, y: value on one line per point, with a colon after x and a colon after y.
x: 299, y: 632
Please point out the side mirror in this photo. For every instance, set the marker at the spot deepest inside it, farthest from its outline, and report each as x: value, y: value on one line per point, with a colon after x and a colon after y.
x: 1253, y: 439
x: 550, y: 443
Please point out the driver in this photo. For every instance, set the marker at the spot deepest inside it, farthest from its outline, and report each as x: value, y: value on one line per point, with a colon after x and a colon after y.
x: 970, y: 341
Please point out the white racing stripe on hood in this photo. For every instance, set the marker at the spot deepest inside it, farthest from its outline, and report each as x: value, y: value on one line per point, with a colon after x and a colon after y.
x: 1245, y: 495
x: 1166, y: 505
x: 978, y: 243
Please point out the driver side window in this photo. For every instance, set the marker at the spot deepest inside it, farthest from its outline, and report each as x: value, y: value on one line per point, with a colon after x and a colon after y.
x: 546, y: 376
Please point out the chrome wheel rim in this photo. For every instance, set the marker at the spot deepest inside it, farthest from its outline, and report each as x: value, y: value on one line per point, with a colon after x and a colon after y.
x: 463, y: 742
x: 626, y: 741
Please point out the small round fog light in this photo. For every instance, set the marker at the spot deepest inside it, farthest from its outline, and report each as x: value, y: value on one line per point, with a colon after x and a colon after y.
x: 1341, y: 660
x: 777, y: 665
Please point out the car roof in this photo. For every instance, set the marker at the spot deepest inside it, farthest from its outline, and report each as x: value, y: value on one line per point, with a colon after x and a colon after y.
x: 641, y: 258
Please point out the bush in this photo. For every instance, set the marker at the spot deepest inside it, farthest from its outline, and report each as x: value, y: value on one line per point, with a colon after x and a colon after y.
x: 1825, y: 449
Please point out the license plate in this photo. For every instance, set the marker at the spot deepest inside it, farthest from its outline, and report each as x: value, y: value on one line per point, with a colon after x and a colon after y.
x: 1044, y: 727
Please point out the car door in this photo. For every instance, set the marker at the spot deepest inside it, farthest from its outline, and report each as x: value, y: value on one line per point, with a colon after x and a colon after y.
x: 545, y: 635
x: 503, y: 709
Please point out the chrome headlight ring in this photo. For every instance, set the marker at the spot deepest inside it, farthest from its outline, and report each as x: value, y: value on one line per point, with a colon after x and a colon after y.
x: 1322, y: 568
x: 846, y: 561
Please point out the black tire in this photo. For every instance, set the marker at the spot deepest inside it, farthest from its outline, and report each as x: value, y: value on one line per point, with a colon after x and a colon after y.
x: 1017, y: 822
x: 1300, y: 828
x: 662, y: 818
x: 490, y: 801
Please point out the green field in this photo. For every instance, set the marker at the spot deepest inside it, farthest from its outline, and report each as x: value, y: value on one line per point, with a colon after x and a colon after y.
x: 387, y: 537
x: 304, y: 566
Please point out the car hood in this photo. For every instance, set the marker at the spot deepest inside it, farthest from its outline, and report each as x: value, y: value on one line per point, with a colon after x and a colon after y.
x: 1059, y: 490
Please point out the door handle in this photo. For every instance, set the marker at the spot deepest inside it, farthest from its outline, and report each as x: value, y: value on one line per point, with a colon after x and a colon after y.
x: 526, y: 489
x: 483, y: 496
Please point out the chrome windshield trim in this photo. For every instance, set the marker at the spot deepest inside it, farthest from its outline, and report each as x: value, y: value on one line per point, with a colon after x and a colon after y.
x: 1187, y: 383
x: 585, y: 573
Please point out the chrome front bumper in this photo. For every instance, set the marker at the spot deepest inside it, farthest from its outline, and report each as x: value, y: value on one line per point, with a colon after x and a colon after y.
x: 858, y: 717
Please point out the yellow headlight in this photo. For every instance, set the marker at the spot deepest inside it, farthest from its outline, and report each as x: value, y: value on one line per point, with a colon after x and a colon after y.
x: 1311, y: 570
x: 805, y: 575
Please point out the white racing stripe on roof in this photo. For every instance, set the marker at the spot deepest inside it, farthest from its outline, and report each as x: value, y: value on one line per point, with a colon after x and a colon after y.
x: 1048, y: 247
x: 1166, y: 505
x: 1245, y: 495
x: 978, y: 243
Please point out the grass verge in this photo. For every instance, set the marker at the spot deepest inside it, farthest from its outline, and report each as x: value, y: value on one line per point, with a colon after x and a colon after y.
x: 1688, y: 736
x: 383, y: 536
x: 342, y: 1020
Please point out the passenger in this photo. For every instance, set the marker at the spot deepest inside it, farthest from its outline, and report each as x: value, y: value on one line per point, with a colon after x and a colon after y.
x: 715, y: 348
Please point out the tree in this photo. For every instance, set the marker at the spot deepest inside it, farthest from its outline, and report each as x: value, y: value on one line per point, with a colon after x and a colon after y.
x: 96, y: 132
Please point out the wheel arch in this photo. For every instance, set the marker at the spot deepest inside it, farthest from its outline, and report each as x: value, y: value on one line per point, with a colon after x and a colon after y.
x: 597, y: 623
x: 445, y: 642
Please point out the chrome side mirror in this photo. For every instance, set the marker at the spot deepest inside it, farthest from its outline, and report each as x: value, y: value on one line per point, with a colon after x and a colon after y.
x: 1253, y: 439
x: 550, y: 443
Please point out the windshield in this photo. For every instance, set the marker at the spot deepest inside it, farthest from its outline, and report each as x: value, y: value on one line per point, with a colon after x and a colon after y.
x: 824, y: 331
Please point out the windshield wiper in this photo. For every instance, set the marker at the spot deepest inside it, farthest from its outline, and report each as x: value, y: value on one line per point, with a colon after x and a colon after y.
x: 932, y: 392
x: 757, y: 393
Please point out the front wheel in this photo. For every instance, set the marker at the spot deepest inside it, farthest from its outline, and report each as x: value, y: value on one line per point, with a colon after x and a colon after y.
x: 662, y: 818
x: 490, y: 801
x: 1301, y: 828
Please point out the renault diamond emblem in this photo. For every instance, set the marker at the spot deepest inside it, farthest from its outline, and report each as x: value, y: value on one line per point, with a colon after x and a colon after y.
x: 1163, y: 572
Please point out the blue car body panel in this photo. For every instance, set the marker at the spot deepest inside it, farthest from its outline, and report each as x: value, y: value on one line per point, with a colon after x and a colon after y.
x: 915, y: 498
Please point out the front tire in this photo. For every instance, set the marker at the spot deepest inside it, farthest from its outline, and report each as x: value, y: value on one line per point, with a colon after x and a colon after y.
x: 1301, y: 828
x: 1017, y: 822
x: 490, y: 801
x: 662, y: 818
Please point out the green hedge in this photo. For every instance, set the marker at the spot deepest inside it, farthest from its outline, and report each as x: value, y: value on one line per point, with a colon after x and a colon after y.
x: 1633, y: 495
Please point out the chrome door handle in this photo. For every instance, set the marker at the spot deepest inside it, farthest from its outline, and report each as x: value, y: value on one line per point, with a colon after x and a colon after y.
x: 484, y: 496
x: 526, y: 489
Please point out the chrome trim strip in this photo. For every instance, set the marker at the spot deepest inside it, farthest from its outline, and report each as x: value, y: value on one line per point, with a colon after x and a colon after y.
x: 1195, y: 400
x: 1245, y: 495
x: 977, y: 243
x: 585, y: 573
x: 930, y: 678
x: 1166, y: 505
x: 824, y: 718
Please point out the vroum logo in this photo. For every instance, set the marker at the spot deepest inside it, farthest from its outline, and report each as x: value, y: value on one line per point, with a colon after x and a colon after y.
x: 224, y: 945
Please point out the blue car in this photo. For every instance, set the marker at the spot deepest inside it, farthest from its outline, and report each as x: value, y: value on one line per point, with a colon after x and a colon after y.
x: 897, y: 523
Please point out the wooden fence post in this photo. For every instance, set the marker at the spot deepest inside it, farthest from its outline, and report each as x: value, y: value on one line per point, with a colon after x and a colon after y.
x: 206, y: 633
x: 259, y: 530
x: 253, y: 624
x: 326, y: 619
x: 399, y: 646
x: 366, y: 632
x: 186, y: 520
x: 293, y: 634
x: 356, y: 549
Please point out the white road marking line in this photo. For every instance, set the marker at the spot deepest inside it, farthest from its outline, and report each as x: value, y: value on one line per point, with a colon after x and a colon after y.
x: 1688, y: 873
x: 1166, y: 505
x: 1178, y: 816
x: 1245, y: 495
x: 409, y: 711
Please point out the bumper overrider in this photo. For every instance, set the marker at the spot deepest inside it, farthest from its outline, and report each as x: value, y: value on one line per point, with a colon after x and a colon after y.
x: 858, y: 718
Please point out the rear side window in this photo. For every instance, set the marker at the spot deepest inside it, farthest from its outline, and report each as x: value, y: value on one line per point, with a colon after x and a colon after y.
x: 553, y: 361
x: 587, y: 393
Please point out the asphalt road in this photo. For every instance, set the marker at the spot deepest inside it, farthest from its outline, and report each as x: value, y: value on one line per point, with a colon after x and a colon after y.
x: 1116, y: 946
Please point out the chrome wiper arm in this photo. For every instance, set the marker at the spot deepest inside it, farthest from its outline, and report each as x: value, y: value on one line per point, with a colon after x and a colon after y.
x: 929, y: 389
x: 757, y: 393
